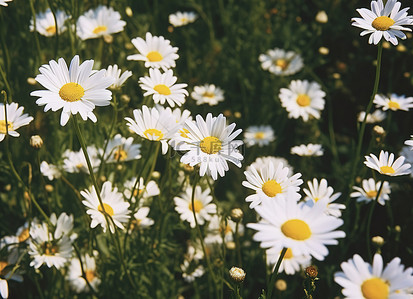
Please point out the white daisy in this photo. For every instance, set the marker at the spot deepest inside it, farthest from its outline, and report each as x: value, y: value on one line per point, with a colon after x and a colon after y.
x: 76, y: 90
x: 162, y: 87
x: 261, y: 135
x: 114, y: 72
x: 308, y: 150
x: 369, y: 190
x: 303, y: 99
x: 281, y: 62
x: 98, y: 22
x: 141, y: 218
x: 156, y: 51
x: 121, y: 149
x: 182, y: 18
x: 152, y: 125
x: 383, y: 21
x: 291, y: 263
x: 211, y: 144
x: 386, y: 164
x: 207, y: 94
x: 75, y: 278
x: 269, y: 182
x: 322, y: 192
x: 4, y: 2
x: 75, y: 162
x: 50, y: 171
x: 190, y: 273
x: 409, y: 142
x: 144, y: 192
x: 375, y: 117
x: 204, y: 209
x: 288, y: 224
x: 180, y: 117
x: 45, y: 22
x: 408, y: 154
x: 362, y: 280
x: 263, y: 161
x: 15, y: 120
x: 114, y: 206
x: 220, y: 228
x: 394, y: 102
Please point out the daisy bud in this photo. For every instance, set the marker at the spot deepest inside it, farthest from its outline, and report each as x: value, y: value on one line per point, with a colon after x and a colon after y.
x: 379, y: 130
x: 401, y: 48
x: 237, y: 114
x: 230, y: 245
x: 237, y: 214
x: 378, y: 241
x: 311, y: 272
x: 386, y: 45
x: 108, y: 38
x: 397, y: 228
x: 26, y: 196
x: 237, y: 274
x: 323, y: 50
x: 36, y: 141
x: 49, y: 188
x: 321, y: 17
x: 125, y: 98
x: 7, y: 187
x: 31, y: 81
x: 281, y: 285
x: 128, y: 11
x: 156, y: 174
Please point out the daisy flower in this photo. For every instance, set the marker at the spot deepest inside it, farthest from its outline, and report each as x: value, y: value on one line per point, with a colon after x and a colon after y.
x: 211, y: 144
x: 408, y: 154
x: 113, y: 71
x: 141, y: 218
x: 152, y: 125
x: 281, y: 62
x: 15, y: 120
x: 308, y: 150
x: 45, y: 22
x: 113, y: 206
x: 383, y: 21
x: 375, y: 117
x: 156, y: 51
x: 202, y: 206
x: 291, y: 263
x: 4, y: 3
x: 286, y: 223
x: 190, y: 272
x: 50, y: 171
x: 394, y: 102
x: 369, y: 190
x: 144, y: 192
x: 162, y: 87
x: 362, y: 280
x: 220, y: 228
x: 207, y: 94
x: 321, y: 191
x: 76, y: 90
x: 75, y: 162
x: 409, y: 142
x: 386, y: 164
x: 121, y: 149
x: 269, y: 181
x: 303, y: 99
x: 100, y: 21
x: 75, y: 276
x: 182, y: 18
x: 263, y: 161
x: 261, y: 135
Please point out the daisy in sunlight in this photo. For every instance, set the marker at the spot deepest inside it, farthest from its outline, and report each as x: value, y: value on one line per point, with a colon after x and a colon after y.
x: 394, y: 102
x: 369, y: 190
x: 386, y: 164
x: 258, y: 135
x: 15, y: 120
x: 281, y: 62
x: 179, y: 18
x: 308, y: 150
x: 45, y: 22
x: 207, y: 94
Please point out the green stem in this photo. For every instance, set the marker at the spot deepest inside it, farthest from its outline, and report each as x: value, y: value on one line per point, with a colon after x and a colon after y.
x: 83, y: 270
x: 56, y: 28
x: 36, y: 38
x: 274, y: 274
x: 6, y: 82
x: 368, y: 241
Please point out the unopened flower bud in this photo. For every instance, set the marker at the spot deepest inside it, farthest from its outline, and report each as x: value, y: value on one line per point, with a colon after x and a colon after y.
x: 323, y: 50
x: 49, y: 188
x: 156, y: 174
x: 281, y: 285
x: 108, y: 38
x: 311, y: 271
x: 321, y: 17
x: 378, y: 241
x: 36, y: 141
x: 237, y: 274
x: 128, y: 11
x: 397, y: 228
x: 379, y: 130
x: 7, y: 187
x: 31, y: 81
x: 125, y: 98
x: 230, y: 245
x: 237, y: 114
x: 237, y: 214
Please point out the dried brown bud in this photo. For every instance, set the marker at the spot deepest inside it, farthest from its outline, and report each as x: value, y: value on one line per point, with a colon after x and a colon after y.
x: 311, y: 272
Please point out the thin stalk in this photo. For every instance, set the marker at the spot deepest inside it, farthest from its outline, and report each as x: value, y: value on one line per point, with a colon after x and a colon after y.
x: 83, y: 270
x: 237, y: 245
x: 274, y: 274
x: 368, y: 241
x: 36, y: 37
x: 56, y: 28
x: 6, y: 82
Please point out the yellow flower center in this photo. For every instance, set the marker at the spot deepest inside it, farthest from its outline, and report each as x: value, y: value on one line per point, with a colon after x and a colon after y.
x: 208, y: 94
x: 316, y: 199
x: 288, y: 253
x: 153, y: 134
x: 271, y: 188
x: 162, y: 89
x: 394, y: 105
x: 259, y: 135
x: 382, y: 23
x: 387, y: 169
x: 51, y: 29
x: 197, y: 206
x: 108, y: 209
x: 49, y: 248
x: 78, y: 166
x: 296, y: 229
x: 282, y: 63
x: 71, y: 92
x: 24, y: 235
x: 375, y: 288
x: 137, y: 192
x: 154, y: 56
x: 3, y: 126
x: 3, y: 264
x: 371, y: 194
x: 210, y: 145
x: 184, y: 132
x: 303, y: 100
x: 100, y: 29
x: 120, y: 155
x: 184, y: 20
x: 90, y: 275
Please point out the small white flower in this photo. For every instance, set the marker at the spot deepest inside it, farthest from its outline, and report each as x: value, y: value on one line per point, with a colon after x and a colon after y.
x: 45, y: 22
x: 75, y: 162
x: 375, y: 117
x: 15, y: 120
x: 182, y: 18
x: 142, y: 191
x: 141, y: 217
x: 308, y: 150
x: 281, y: 62
x: 386, y: 164
x: 121, y: 149
x: 75, y: 275
x: 207, y: 94
x: 50, y: 171
x: 114, y: 72
x: 189, y: 274
x: 220, y: 229
x: 369, y: 190
x: 394, y: 102
x: 260, y: 135
x: 263, y: 161
x: 409, y: 142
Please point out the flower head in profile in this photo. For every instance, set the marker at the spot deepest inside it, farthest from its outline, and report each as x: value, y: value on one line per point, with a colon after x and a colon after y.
x: 141, y: 191
x: 281, y: 62
x: 46, y: 25
x: 211, y: 144
x: 394, y: 102
x: 113, y: 206
x: 179, y: 18
x: 98, y: 22
x: 113, y: 71
x: 75, y: 162
x: 121, y: 149
x: 303, y: 99
x: 75, y: 275
x: 75, y: 90
x: 260, y: 135
x: 386, y: 164
x: 308, y: 150
x: 359, y: 279
x: 375, y: 117
x: 383, y: 21
x: 369, y: 189
x: 141, y: 219
x: 207, y: 94
x: 156, y: 51
x: 15, y: 120
x: 264, y: 161
x: 162, y: 87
